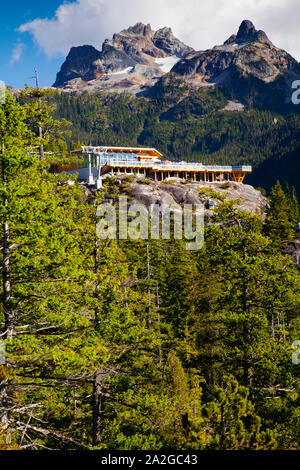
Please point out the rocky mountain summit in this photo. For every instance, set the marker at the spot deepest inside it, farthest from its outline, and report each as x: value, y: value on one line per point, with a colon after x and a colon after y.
x: 246, y: 63
x: 247, y: 33
x: 133, y: 59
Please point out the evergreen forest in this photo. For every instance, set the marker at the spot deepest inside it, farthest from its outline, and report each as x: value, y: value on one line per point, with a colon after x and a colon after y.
x: 126, y: 345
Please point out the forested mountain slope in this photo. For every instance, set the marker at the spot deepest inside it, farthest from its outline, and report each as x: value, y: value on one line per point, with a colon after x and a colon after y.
x: 225, y: 105
x: 192, y: 126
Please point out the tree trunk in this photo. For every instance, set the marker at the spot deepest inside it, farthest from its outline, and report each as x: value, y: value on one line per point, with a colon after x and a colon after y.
x: 96, y: 269
x: 97, y: 408
x: 41, y: 147
x: 149, y: 290
x: 7, y: 307
x: 247, y: 338
x: 6, y: 300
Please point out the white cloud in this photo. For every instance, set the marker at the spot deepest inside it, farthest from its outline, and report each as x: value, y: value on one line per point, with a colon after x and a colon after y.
x: 200, y: 23
x: 17, y: 53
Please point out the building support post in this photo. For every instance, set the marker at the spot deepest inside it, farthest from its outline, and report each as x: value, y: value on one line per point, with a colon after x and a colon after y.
x: 90, y: 175
x: 99, y: 178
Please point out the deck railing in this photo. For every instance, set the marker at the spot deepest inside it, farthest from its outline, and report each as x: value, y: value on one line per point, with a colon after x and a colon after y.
x: 125, y: 159
x: 199, y: 167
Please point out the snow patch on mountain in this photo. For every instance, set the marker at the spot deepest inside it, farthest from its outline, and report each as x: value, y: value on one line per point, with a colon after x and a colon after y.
x: 167, y: 63
x: 120, y: 72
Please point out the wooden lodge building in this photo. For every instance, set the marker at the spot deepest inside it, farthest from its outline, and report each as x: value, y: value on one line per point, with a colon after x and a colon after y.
x: 99, y: 161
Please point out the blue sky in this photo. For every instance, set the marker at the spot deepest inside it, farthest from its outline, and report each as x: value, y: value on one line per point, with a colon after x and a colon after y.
x: 18, y: 72
x: 37, y: 33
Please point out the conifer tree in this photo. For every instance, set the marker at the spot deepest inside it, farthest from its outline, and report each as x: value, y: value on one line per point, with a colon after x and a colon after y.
x: 279, y: 225
x: 45, y: 265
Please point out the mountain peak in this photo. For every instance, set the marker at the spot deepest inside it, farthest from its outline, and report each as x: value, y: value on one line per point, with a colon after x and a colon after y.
x: 135, y: 57
x: 243, y: 61
x: 140, y: 29
x: 247, y: 33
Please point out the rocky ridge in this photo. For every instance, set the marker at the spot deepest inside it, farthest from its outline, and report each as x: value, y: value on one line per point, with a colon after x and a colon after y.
x: 245, y: 61
x: 132, y: 60
x: 135, y: 59
x: 174, y: 192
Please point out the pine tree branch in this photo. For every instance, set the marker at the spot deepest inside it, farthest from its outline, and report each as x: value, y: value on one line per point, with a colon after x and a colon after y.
x: 47, y: 432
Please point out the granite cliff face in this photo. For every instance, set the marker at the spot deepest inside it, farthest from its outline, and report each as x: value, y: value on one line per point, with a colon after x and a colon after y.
x: 293, y: 249
x: 174, y: 192
x: 246, y: 197
x: 79, y: 63
x: 133, y: 59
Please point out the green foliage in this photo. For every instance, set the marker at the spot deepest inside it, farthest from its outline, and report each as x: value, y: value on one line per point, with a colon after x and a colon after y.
x: 191, y: 127
x: 282, y: 215
x: 209, y: 192
x: 225, y: 185
x: 137, y: 344
x: 127, y: 179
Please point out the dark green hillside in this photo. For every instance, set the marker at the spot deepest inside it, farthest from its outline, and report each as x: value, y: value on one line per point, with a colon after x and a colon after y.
x: 191, y: 126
